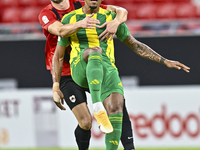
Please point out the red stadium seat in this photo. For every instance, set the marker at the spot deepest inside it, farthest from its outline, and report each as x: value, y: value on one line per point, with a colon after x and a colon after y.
x: 181, y: 1
x: 186, y: 11
x: 109, y: 2
x: 143, y: 1
x: 43, y: 3
x: 123, y: 2
x: 9, y: 3
x: 27, y: 2
x: 198, y: 11
x: 131, y: 8
x: 146, y: 11
x: 10, y: 15
x: 30, y: 14
x: 166, y: 11
x: 162, y: 1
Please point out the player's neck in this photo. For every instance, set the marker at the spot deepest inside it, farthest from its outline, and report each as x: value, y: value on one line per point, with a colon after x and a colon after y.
x: 64, y: 5
x: 88, y: 10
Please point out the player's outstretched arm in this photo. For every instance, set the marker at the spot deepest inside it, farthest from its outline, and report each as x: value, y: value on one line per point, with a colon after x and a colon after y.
x: 146, y: 52
x: 57, y: 64
x: 111, y: 26
x: 87, y: 23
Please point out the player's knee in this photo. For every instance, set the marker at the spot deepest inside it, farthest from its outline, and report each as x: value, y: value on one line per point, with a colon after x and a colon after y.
x: 85, y: 124
x: 91, y: 50
x: 96, y: 49
x: 114, y: 103
x: 114, y: 109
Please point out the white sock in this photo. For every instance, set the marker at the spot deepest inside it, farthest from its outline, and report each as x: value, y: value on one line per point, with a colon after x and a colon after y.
x: 98, y: 106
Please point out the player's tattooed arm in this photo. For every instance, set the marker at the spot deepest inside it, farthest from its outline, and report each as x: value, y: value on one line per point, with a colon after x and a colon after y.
x: 60, y: 71
x: 57, y: 64
x: 143, y: 50
x: 146, y: 52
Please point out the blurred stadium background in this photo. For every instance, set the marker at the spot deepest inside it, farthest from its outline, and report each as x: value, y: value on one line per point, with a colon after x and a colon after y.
x: 164, y: 104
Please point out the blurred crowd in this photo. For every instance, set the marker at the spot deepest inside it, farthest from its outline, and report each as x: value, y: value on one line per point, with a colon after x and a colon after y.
x: 145, y: 17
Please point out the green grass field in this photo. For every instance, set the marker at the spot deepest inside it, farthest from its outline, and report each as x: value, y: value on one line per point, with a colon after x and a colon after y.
x: 188, y: 148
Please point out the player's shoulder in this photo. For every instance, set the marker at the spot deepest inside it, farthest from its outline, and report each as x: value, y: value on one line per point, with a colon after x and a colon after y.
x: 106, y: 12
x: 76, y: 11
x: 70, y: 14
x: 46, y: 10
x: 80, y: 1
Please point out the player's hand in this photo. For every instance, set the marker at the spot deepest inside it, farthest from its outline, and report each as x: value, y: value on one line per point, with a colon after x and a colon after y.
x: 58, y: 96
x: 89, y: 22
x: 176, y: 65
x: 110, y: 31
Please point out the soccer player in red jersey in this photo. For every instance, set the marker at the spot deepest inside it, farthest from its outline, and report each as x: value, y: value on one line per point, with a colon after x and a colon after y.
x: 75, y: 96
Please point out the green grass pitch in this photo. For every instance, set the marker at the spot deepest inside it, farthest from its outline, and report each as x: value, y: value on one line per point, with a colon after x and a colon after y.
x: 188, y: 148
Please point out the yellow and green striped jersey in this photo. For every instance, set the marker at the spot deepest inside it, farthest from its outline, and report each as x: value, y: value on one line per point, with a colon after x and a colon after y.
x: 86, y: 38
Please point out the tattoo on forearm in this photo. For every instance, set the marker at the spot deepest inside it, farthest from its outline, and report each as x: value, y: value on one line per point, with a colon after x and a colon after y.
x: 162, y: 60
x: 143, y: 50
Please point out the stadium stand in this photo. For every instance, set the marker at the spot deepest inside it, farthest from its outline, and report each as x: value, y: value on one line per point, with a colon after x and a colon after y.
x: 9, y: 3
x: 138, y: 9
x: 186, y: 10
x: 25, y: 3
x: 161, y: 1
x: 142, y: 1
x: 10, y: 15
x: 20, y: 11
x: 166, y: 11
x: 132, y: 10
x: 181, y: 1
x: 29, y: 14
x: 161, y: 16
x: 146, y: 11
x: 197, y: 11
x: 43, y: 3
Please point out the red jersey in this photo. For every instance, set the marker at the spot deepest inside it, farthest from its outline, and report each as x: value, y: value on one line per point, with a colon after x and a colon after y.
x: 48, y: 16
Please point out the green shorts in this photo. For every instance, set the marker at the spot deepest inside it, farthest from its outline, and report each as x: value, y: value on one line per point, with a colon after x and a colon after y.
x: 111, y: 82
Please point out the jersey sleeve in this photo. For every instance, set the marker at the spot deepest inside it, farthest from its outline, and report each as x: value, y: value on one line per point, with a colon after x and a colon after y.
x: 63, y: 41
x: 46, y: 18
x: 66, y: 18
x: 122, y: 32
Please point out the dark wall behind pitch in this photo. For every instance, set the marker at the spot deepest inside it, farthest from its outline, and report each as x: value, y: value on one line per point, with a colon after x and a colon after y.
x: 183, y: 49
x: 24, y: 61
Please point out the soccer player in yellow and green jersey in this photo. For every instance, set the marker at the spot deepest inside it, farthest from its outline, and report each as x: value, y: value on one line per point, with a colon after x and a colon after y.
x: 88, y: 38
x: 93, y: 65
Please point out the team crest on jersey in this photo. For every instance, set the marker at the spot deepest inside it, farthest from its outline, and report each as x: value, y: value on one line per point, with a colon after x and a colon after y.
x: 72, y: 98
x: 45, y: 19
